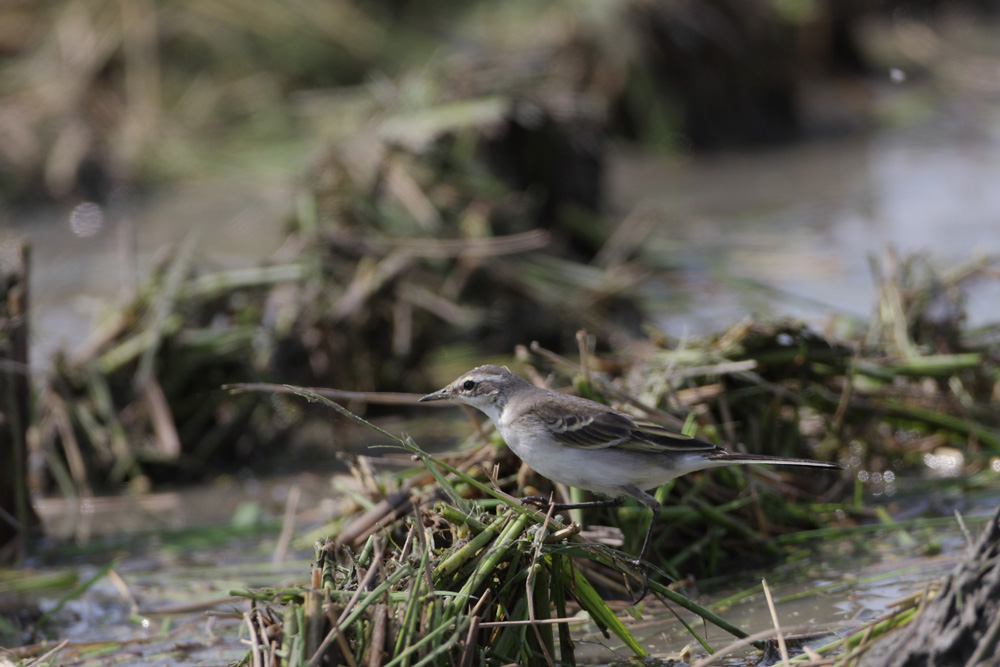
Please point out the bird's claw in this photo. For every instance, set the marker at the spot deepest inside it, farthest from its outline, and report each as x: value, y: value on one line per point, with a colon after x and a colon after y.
x: 544, y: 504
x: 538, y: 502
x: 641, y: 565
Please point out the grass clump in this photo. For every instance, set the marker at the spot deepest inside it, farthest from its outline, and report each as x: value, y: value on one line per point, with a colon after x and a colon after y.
x: 448, y: 569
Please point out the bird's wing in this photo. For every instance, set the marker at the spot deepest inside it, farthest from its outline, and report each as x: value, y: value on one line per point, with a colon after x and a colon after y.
x: 605, y: 428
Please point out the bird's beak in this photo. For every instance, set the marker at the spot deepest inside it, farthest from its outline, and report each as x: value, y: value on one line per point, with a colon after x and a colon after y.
x: 439, y: 395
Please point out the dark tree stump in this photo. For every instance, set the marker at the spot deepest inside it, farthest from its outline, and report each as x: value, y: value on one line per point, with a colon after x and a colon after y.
x: 17, y: 517
x: 961, y: 624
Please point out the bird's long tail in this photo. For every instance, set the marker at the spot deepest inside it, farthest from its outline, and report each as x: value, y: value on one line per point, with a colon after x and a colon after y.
x: 735, y: 458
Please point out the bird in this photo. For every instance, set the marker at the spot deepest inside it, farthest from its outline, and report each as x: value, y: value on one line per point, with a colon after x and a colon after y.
x: 589, y: 445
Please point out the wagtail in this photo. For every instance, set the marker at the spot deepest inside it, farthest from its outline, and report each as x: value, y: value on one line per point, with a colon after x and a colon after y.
x: 588, y: 445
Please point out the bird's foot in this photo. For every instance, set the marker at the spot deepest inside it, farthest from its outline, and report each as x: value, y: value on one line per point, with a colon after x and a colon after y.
x: 643, y: 568
x: 538, y: 502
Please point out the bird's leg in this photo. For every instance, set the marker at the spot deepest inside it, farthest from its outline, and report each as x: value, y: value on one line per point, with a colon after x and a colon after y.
x: 646, y: 499
x: 649, y: 531
x: 543, y: 503
x: 654, y: 506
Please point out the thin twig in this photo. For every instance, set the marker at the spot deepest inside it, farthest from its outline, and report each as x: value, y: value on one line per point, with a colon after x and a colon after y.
x: 969, y: 542
x: 335, y: 630
x: 544, y: 621
x: 582, y: 345
x: 530, y: 581
x: 376, y: 644
x: 476, y: 248
x: 45, y: 657
x: 749, y: 640
x: 254, y: 642
x: 469, y: 651
x: 774, y: 619
x: 287, y: 525
x: 372, y: 397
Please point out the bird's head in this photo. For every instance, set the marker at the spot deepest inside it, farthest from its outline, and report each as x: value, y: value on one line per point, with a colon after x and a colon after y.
x: 485, y: 388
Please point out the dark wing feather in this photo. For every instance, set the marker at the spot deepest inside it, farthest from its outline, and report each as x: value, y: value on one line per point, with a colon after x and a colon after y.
x: 649, y: 436
x: 597, y: 427
x: 592, y: 430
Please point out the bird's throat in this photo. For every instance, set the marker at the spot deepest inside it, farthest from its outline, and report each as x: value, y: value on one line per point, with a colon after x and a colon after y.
x: 500, y: 405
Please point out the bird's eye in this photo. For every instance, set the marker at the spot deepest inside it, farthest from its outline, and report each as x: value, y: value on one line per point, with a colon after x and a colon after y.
x: 468, y: 385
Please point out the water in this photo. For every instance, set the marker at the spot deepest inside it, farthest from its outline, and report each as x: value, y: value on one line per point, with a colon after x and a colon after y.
x: 804, y: 221
x: 165, y: 580
x: 77, y: 257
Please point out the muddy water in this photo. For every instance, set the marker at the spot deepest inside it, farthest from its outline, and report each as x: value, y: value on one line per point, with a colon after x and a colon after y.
x: 168, y: 601
x: 78, y: 252
x: 791, y: 231
x: 826, y: 590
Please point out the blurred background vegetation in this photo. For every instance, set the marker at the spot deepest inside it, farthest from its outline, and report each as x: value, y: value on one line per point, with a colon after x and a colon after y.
x: 106, y: 94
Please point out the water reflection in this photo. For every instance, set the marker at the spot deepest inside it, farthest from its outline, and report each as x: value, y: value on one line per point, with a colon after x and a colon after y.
x: 791, y: 231
x: 945, y: 461
x: 87, y: 255
x: 86, y: 219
